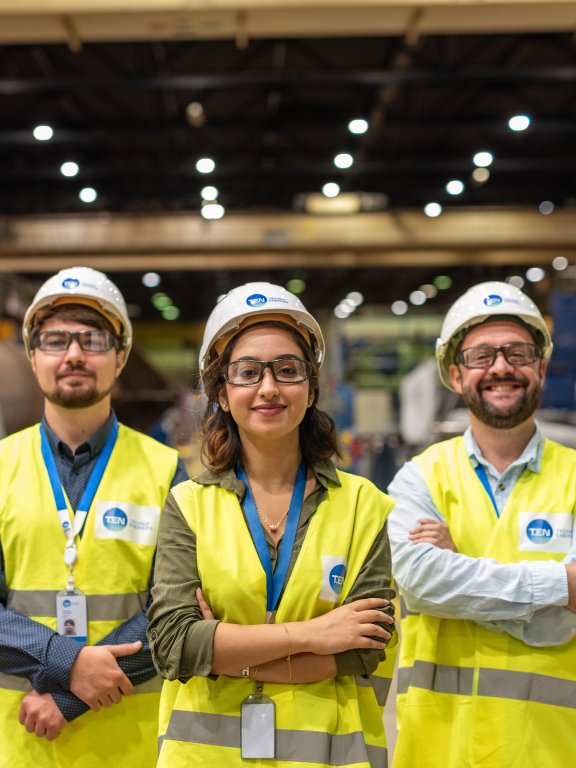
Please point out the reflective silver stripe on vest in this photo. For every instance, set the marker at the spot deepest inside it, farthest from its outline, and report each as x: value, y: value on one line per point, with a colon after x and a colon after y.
x: 14, y: 683
x: 295, y: 746
x: 436, y: 677
x: 100, y: 607
x: 527, y: 686
x: 381, y: 686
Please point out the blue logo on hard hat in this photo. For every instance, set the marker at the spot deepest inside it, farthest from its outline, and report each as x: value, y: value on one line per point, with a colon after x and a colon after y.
x: 539, y: 531
x: 336, y: 577
x: 256, y: 300
x: 70, y: 283
x: 115, y: 519
x: 493, y: 300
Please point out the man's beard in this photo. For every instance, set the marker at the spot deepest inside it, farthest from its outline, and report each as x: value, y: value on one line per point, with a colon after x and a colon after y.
x: 76, y: 397
x: 497, y: 416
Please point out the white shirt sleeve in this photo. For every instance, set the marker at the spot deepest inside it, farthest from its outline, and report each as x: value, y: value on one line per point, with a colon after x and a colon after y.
x: 452, y: 585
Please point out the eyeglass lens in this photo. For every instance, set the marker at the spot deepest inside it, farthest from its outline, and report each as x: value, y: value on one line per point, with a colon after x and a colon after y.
x: 484, y: 355
x: 89, y: 341
x: 285, y: 371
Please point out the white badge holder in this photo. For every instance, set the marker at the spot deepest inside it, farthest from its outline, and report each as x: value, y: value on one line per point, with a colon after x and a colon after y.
x: 71, y: 608
x: 257, y: 718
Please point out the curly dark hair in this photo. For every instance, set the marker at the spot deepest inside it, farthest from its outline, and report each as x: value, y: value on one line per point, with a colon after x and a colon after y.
x: 221, y: 446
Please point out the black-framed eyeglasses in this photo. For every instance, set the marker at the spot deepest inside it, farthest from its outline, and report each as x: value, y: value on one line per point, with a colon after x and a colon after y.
x: 285, y: 370
x: 484, y: 355
x: 57, y: 342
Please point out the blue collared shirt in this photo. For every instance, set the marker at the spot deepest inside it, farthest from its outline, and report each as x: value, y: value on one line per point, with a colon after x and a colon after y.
x: 525, y: 599
x: 30, y: 649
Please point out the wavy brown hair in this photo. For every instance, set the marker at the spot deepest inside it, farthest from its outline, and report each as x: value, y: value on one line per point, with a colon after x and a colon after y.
x: 221, y: 445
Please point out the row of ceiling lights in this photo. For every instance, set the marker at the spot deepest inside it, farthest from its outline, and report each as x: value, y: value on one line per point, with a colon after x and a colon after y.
x: 480, y: 175
x: 420, y: 296
x: 210, y: 207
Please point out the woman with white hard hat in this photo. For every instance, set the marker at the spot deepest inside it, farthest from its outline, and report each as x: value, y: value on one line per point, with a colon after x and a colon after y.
x: 272, y: 583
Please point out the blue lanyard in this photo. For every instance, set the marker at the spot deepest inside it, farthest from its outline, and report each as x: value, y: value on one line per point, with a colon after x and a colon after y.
x: 275, y: 581
x: 483, y: 477
x: 91, y: 487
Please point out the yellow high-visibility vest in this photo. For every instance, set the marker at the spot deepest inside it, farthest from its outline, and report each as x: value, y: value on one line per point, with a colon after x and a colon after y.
x: 330, y: 722
x: 113, y: 570
x: 469, y: 696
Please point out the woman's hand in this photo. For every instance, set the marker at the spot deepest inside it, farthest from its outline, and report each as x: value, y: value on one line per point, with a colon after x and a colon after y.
x: 432, y: 532
x: 354, y: 625
x: 204, y: 607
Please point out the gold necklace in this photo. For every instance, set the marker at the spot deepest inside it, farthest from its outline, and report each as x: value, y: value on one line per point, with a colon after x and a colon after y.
x: 272, y: 526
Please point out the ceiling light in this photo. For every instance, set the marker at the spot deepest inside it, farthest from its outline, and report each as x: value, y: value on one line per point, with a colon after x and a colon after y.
x: 483, y: 159
x: 341, y: 312
x: 546, y: 207
x: 399, y: 308
x: 430, y: 290
x: 170, y: 313
x: 516, y: 280
x: 212, y: 211
x: 356, y: 298
x: 296, y: 285
x: 69, y: 169
x: 519, y: 122
x: 88, y: 195
x: 195, y: 114
x: 151, y: 279
x: 417, y: 298
x: 343, y: 160
x: 331, y: 189
x: 560, y: 263
x: 345, y: 203
x: 442, y: 282
x: 43, y: 133
x: 432, y: 210
x: 161, y: 300
x: 205, y: 165
x: 480, y: 175
x: 209, y: 193
x: 455, y: 187
x: 535, y: 274
x: 359, y: 125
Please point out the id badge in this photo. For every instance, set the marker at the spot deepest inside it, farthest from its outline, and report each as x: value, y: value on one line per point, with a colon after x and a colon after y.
x: 71, y: 615
x: 257, y: 726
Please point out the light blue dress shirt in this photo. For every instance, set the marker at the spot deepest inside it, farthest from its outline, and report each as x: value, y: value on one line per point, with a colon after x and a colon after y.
x: 525, y: 599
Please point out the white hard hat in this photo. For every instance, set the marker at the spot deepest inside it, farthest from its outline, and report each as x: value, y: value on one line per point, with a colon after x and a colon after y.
x: 483, y: 302
x: 257, y: 303
x: 80, y: 285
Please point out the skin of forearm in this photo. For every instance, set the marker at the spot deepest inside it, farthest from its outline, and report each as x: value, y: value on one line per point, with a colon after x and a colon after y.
x: 237, y: 646
x: 303, y: 668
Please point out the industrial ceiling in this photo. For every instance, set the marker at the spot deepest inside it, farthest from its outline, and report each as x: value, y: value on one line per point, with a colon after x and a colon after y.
x: 275, y: 86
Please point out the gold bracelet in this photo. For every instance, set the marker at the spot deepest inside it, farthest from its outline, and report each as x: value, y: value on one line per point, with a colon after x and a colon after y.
x: 255, y: 672
x: 288, y: 658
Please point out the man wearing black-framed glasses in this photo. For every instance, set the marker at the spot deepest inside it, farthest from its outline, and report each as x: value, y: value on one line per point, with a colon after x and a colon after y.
x: 80, y: 502
x: 482, y: 549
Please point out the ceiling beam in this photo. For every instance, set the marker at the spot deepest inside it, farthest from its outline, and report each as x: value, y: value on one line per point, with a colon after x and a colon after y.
x: 50, y: 21
x: 179, y: 242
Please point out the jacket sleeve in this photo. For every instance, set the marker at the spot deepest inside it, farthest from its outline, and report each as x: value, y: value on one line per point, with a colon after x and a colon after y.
x: 31, y: 650
x: 374, y: 580
x: 180, y: 639
x: 453, y: 585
